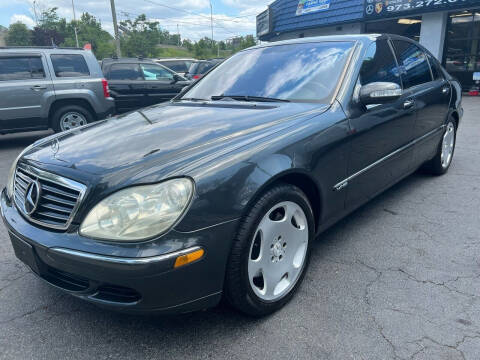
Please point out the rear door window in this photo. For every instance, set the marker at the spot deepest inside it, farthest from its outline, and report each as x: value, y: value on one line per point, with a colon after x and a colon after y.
x: 130, y: 71
x: 21, y: 68
x: 435, y: 66
x: 66, y: 65
x: 413, y: 64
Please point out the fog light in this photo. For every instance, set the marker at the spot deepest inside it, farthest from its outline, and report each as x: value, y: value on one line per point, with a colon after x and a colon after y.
x: 189, y: 258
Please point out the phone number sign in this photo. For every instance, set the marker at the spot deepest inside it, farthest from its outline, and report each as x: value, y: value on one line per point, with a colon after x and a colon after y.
x: 379, y: 8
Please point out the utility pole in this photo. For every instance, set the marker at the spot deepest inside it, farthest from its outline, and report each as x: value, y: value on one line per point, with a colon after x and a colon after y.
x: 115, y: 28
x: 211, y: 19
x: 35, y: 12
x: 178, y: 32
x: 75, y: 24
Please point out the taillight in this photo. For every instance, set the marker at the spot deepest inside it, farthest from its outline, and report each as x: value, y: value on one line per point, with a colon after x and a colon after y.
x: 196, y: 77
x: 106, y: 90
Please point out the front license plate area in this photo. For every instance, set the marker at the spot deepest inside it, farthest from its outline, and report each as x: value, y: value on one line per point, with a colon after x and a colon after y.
x: 25, y: 252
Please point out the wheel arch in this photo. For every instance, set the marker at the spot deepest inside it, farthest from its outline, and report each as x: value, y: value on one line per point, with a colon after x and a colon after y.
x: 57, y: 104
x: 299, y: 178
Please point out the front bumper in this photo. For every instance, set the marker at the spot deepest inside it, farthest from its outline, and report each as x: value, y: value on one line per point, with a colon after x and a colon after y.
x: 95, y: 272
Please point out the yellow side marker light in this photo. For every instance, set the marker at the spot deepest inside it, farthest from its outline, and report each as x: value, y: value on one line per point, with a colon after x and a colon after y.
x: 189, y: 258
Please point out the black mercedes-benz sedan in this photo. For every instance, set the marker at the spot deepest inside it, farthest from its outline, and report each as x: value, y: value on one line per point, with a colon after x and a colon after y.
x: 222, y: 191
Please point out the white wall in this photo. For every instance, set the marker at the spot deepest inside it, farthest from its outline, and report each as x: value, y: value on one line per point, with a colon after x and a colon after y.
x: 432, y: 32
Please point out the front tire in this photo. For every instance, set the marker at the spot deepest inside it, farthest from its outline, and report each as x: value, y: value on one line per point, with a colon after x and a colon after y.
x: 270, y: 252
x: 442, y: 160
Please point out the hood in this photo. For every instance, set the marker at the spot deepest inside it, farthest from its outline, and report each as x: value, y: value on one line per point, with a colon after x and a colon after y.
x: 166, y: 133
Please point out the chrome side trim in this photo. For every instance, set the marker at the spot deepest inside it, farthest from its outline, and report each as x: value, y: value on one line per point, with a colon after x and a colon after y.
x: 124, y: 261
x: 81, y: 188
x: 342, y: 184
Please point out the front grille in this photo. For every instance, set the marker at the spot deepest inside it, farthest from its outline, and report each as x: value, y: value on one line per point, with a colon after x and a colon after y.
x: 58, y: 198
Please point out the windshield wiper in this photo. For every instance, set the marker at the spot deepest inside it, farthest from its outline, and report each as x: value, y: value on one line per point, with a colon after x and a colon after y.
x: 192, y: 99
x: 248, y: 98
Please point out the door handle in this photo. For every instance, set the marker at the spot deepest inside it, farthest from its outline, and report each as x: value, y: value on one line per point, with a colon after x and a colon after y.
x: 445, y: 90
x: 408, y: 103
x: 38, y: 87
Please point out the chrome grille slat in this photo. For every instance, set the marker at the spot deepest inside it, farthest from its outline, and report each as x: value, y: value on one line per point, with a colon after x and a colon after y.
x: 58, y: 191
x: 59, y: 197
x: 58, y: 200
x: 52, y: 215
x: 56, y: 208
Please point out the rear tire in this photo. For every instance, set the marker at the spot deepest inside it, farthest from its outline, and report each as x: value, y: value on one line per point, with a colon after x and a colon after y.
x: 70, y: 116
x: 442, y: 160
x: 270, y: 252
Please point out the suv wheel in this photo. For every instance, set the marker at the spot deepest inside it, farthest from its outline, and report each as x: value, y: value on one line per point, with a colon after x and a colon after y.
x: 69, y: 117
x: 270, y: 252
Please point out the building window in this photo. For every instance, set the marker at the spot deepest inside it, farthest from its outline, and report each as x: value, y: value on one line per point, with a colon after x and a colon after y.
x: 408, y: 27
x: 462, y: 55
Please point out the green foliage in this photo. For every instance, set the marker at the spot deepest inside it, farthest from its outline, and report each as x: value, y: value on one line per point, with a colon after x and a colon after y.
x: 18, y: 35
x: 139, y: 37
x: 89, y: 30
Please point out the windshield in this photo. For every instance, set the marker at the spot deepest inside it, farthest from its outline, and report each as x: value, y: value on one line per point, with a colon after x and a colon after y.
x: 307, y: 72
x: 177, y: 65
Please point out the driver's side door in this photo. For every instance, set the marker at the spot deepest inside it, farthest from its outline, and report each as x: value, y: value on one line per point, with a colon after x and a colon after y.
x: 380, y: 154
x: 159, y: 82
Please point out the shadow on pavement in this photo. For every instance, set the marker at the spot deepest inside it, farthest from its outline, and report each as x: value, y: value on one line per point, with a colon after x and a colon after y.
x: 21, y: 140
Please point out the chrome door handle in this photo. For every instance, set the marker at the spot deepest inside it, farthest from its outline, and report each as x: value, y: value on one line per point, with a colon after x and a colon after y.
x: 38, y: 87
x: 408, y: 103
x: 445, y: 90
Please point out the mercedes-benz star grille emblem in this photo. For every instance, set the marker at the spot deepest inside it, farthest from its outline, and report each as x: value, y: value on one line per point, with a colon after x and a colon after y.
x: 32, y: 197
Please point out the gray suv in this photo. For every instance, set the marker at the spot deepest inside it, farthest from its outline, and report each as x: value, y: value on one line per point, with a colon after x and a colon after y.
x: 49, y: 87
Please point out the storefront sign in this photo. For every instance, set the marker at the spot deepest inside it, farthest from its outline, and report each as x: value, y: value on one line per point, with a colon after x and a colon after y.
x: 264, y: 22
x: 310, y: 6
x: 384, y: 8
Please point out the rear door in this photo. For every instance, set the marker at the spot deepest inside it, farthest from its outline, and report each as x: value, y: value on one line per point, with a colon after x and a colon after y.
x: 431, y: 93
x: 160, y: 84
x: 380, y: 133
x: 25, y: 85
x: 127, y: 86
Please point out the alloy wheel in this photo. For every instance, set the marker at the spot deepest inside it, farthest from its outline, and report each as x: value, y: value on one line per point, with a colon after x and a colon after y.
x: 71, y: 120
x: 278, y: 251
x: 448, y: 144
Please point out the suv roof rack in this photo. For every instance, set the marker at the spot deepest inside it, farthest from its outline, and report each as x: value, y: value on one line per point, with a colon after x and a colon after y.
x: 41, y: 47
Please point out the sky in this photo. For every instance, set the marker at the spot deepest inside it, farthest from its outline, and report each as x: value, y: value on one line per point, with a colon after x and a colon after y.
x: 231, y: 17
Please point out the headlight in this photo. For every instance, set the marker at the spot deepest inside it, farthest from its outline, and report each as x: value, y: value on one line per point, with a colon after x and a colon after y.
x: 11, y: 173
x: 139, y: 212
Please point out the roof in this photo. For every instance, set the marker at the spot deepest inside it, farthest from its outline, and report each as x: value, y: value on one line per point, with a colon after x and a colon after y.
x: 127, y: 60
x: 353, y: 37
x: 44, y: 49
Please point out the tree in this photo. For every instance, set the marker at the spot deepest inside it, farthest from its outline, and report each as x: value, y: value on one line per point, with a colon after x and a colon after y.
x: 18, y: 35
x: 89, y: 30
x: 51, y: 29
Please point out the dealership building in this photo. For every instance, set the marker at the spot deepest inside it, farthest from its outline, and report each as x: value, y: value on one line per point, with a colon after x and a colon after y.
x: 450, y: 29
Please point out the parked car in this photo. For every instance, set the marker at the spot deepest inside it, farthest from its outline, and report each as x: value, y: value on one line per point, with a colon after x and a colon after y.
x: 222, y: 191
x: 180, y: 66
x: 135, y: 82
x: 201, y: 67
x: 49, y: 87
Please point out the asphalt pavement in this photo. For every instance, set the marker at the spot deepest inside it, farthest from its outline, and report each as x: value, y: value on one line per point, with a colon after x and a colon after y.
x: 397, y: 279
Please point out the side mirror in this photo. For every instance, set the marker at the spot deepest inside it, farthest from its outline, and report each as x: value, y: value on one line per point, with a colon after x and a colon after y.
x: 176, y: 78
x: 379, y: 93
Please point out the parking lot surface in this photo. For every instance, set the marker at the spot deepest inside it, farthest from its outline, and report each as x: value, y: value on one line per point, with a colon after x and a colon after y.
x: 397, y: 279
